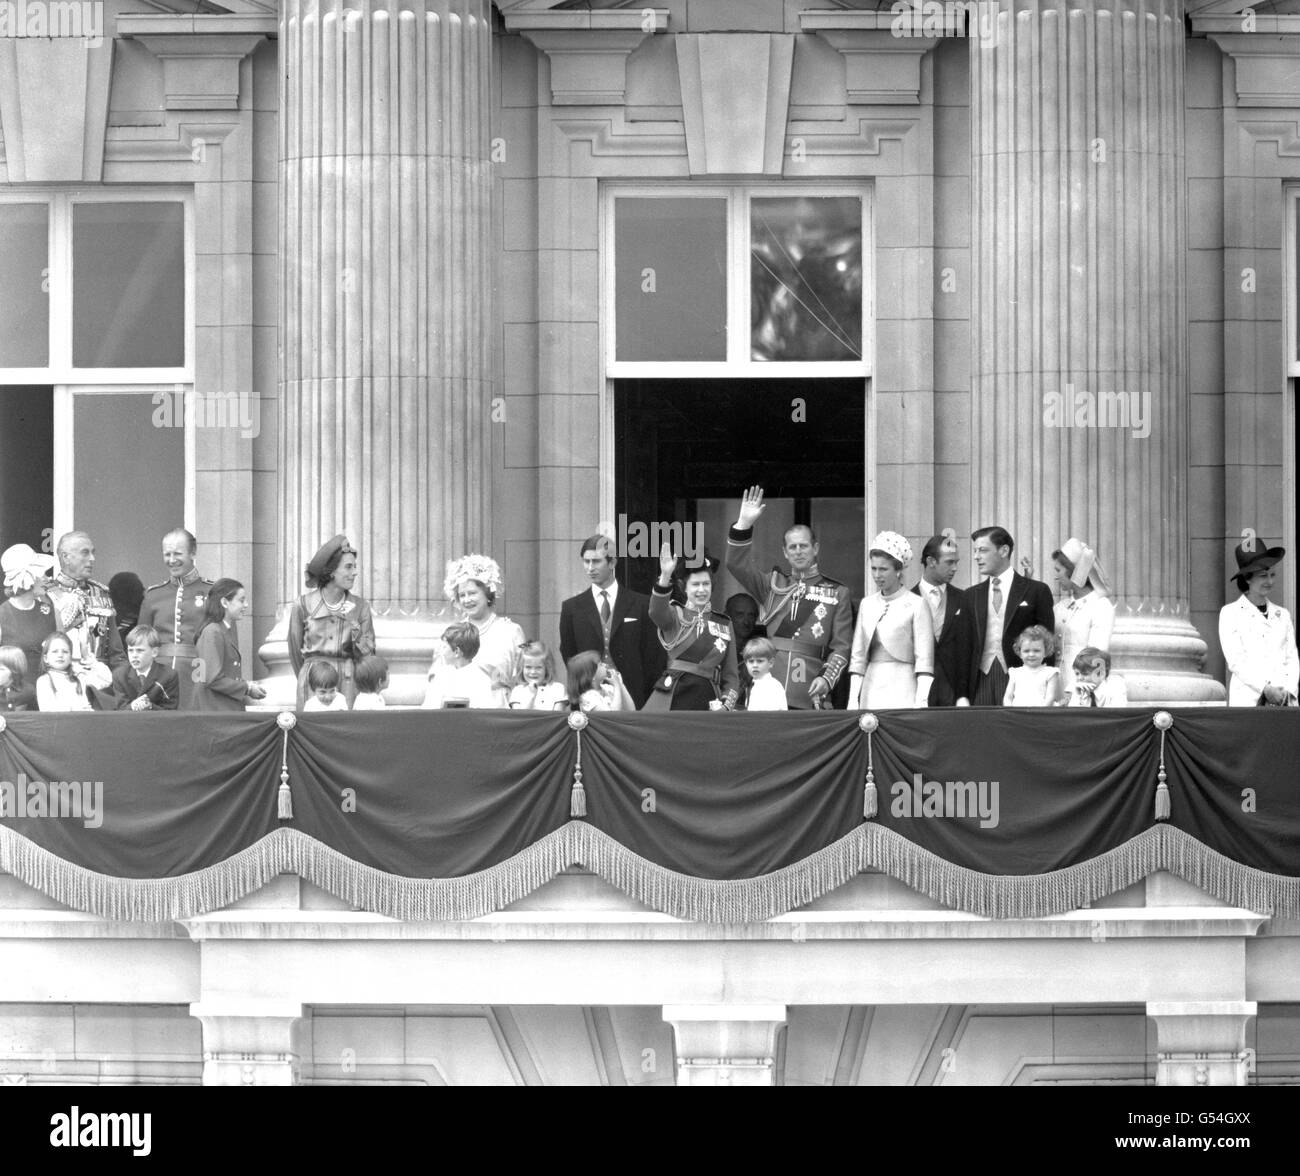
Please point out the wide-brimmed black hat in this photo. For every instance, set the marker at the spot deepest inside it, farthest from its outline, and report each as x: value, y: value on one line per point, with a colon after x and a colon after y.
x: 1255, y: 558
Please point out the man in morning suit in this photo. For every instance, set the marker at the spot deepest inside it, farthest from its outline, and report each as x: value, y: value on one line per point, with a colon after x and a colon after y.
x: 613, y: 621
x: 956, y: 654
x: 1005, y: 605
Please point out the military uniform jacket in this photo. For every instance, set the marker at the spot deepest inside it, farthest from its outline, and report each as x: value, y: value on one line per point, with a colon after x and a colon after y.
x: 705, y: 641
x: 175, y: 609
x: 73, y: 601
x: 809, y: 619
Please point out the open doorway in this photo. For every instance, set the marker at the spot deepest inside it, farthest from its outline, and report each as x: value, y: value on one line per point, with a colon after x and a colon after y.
x: 685, y: 449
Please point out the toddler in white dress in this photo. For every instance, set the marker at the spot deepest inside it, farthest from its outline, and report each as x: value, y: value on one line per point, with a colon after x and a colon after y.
x: 1034, y: 683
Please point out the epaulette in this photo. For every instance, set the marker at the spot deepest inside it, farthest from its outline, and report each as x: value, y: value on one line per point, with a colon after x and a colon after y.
x: 97, y: 584
x: 153, y: 587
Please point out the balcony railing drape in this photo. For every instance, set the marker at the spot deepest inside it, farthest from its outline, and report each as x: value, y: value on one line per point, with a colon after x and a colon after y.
x: 731, y: 818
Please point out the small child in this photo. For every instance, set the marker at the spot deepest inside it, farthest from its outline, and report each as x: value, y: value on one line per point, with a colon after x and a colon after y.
x: 145, y: 684
x: 536, y: 688
x: 15, y: 694
x: 371, y: 677
x: 1034, y: 683
x: 323, y: 682
x: 765, y: 693
x: 455, y: 681
x: 1093, y: 684
x: 65, y: 685
x: 594, y: 686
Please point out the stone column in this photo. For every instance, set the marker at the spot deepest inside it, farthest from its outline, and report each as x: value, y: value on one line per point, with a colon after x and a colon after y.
x: 1079, y: 413
x: 725, y: 1045
x: 249, y: 1042
x: 1202, y: 1043
x: 386, y: 293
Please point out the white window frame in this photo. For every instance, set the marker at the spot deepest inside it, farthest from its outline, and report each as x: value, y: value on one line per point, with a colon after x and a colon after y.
x: 738, y: 363
x: 61, y: 201
x: 1291, y: 223
x: 1290, y: 235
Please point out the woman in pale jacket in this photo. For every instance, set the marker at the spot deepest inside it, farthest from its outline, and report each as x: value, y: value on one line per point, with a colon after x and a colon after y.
x: 1257, y: 636
x: 892, y: 663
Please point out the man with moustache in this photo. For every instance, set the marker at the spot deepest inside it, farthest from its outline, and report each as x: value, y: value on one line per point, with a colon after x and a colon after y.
x: 613, y: 621
x: 956, y: 655
x: 1005, y: 605
x: 175, y: 608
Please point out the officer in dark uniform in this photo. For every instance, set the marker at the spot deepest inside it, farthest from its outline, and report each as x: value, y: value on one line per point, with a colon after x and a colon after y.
x: 175, y: 609
x: 808, y: 616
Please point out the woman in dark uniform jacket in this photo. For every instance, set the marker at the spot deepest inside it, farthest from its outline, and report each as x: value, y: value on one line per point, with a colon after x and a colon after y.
x: 218, y: 675
x: 700, y: 643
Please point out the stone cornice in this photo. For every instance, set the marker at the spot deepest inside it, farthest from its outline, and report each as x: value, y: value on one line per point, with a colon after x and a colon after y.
x: 137, y: 24
x: 1267, y: 67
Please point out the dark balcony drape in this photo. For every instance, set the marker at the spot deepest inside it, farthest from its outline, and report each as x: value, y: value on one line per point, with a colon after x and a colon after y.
x: 714, y: 816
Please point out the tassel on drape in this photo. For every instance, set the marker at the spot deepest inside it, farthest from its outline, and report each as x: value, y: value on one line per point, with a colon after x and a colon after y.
x: 286, y: 721
x: 577, y: 794
x: 868, y: 724
x: 1163, y: 721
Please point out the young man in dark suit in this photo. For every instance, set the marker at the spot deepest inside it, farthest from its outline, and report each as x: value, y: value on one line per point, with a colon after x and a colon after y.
x: 1005, y: 605
x: 956, y: 655
x: 613, y: 621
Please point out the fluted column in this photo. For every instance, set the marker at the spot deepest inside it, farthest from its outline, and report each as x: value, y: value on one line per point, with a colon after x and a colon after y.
x: 1079, y: 326
x: 385, y: 286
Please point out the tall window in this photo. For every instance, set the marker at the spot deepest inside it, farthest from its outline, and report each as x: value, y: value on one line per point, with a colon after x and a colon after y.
x: 96, y: 368
x: 738, y: 281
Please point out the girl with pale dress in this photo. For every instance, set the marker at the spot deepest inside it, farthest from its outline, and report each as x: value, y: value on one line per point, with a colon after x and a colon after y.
x: 892, y: 663
x: 1085, y: 615
x: 473, y: 583
x: 1033, y: 682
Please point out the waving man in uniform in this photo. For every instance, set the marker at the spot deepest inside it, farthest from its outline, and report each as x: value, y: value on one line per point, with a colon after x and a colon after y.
x: 808, y: 615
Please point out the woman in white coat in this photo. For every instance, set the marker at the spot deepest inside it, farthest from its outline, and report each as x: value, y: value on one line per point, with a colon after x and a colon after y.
x: 1085, y: 615
x: 1257, y: 636
x: 892, y: 663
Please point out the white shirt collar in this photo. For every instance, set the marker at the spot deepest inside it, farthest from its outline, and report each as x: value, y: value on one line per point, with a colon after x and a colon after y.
x: 611, y: 588
x: 1003, y: 580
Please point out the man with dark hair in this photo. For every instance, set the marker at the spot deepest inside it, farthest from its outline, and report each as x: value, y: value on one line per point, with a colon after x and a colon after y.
x: 807, y: 615
x: 613, y: 621
x: 956, y: 654
x: 175, y: 608
x: 1005, y: 606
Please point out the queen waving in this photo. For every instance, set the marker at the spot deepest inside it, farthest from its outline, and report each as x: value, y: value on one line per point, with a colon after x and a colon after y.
x: 892, y: 663
x: 700, y: 643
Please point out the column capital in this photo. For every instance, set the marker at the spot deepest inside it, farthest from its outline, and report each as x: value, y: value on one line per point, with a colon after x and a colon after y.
x: 249, y: 1042
x: 725, y: 1045
x: 1202, y: 1043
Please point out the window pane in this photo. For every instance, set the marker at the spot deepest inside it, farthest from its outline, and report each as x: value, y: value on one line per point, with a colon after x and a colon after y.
x: 24, y: 251
x: 26, y: 465
x: 128, y: 285
x: 121, y: 457
x: 670, y: 282
x: 806, y: 278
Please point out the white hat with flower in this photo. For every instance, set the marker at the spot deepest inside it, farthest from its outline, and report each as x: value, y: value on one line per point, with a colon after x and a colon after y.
x: 482, y: 568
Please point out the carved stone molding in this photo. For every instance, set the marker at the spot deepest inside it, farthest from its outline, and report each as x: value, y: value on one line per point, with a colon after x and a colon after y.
x: 735, y: 101
x: 54, y: 140
x: 880, y: 68
x: 725, y: 1045
x: 1267, y: 69
x: 587, y: 68
x: 1202, y: 1043
x: 201, y: 70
